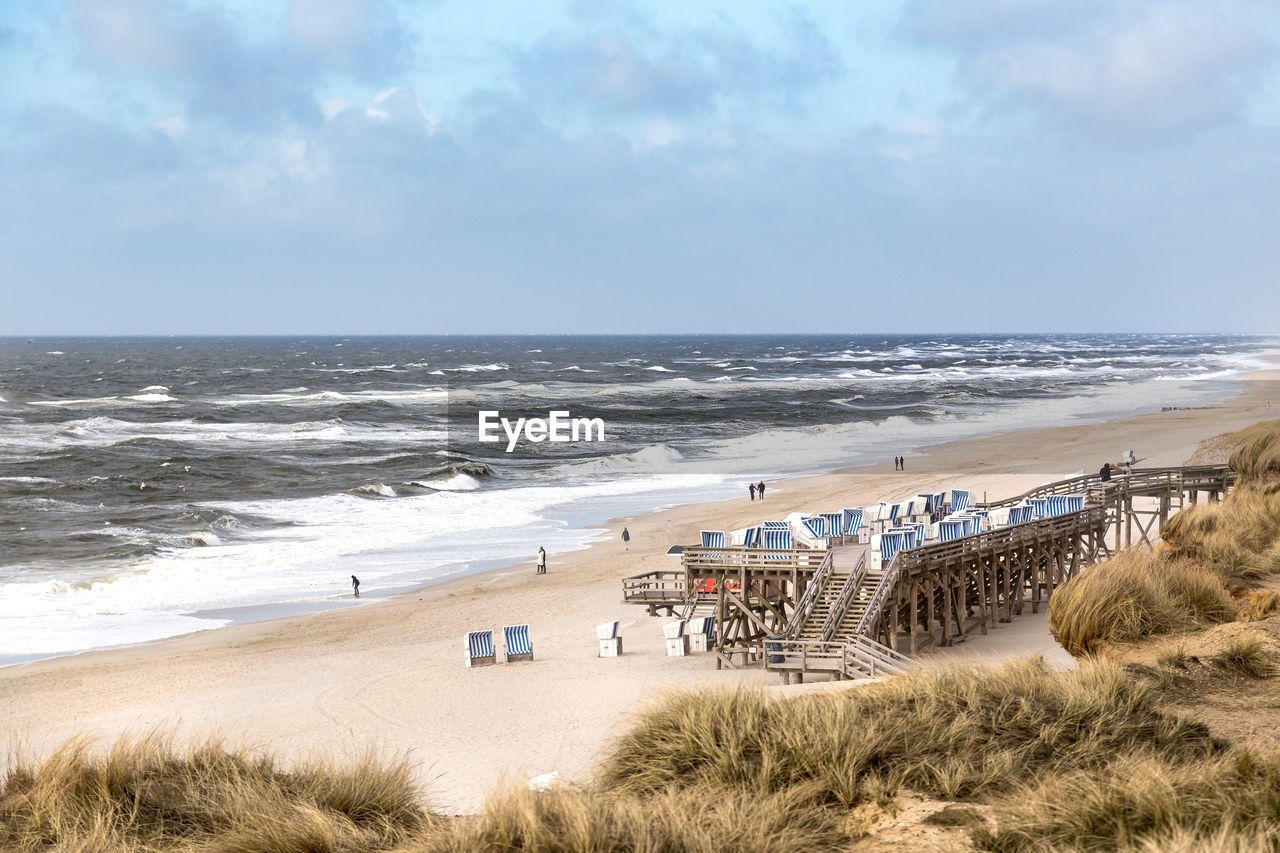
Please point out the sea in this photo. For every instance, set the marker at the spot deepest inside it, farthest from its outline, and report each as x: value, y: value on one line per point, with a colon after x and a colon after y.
x: 151, y: 487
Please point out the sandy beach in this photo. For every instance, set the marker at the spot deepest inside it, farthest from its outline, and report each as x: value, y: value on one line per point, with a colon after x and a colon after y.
x: 390, y: 676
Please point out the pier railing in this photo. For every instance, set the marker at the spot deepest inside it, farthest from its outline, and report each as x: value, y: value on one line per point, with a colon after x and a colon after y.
x: 841, y: 606
x: 812, y: 593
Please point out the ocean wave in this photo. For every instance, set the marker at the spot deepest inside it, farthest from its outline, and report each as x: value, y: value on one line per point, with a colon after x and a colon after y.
x: 382, y: 490
x: 402, y: 397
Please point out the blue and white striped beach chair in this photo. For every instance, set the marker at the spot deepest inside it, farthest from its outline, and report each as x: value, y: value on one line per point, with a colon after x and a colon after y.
x: 815, y: 526
x: 960, y: 499
x: 834, y: 524
x: 890, y: 544
x: 515, y: 641
x: 774, y: 525
x: 772, y: 537
x: 713, y: 539
x: 954, y: 528
x: 852, y: 522
x: 479, y: 648
x: 752, y: 537
x: 1039, y: 507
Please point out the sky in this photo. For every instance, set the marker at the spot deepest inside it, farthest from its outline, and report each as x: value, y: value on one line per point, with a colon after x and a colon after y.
x: 384, y: 167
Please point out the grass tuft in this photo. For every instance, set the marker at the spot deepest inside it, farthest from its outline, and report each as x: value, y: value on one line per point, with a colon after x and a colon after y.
x: 1136, y: 594
x: 1244, y: 656
x: 145, y: 794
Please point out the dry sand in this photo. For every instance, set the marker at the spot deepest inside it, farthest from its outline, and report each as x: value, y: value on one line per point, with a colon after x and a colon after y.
x: 390, y: 675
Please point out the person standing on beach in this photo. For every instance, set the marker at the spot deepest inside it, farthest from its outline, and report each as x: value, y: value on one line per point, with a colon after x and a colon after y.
x: 760, y: 489
x: 895, y: 463
x: 902, y: 463
x: 626, y: 539
x: 751, y: 487
x: 542, y: 560
x: 355, y: 586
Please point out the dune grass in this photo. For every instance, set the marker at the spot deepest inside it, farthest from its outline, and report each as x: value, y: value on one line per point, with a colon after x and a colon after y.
x: 1136, y: 594
x: 1208, y: 552
x: 948, y: 734
x: 1087, y: 759
x: 146, y: 794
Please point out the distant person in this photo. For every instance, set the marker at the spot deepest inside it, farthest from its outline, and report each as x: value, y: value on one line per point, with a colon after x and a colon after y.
x: 902, y: 463
x: 626, y: 539
x: 1104, y: 473
x: 355, y: 586
x: 760, y: 489
x: 542, y: 561
x: 751, y: 487
x: 896, y: 464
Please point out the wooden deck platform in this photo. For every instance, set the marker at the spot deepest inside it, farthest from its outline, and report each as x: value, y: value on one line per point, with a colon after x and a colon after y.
x: 823, y: 610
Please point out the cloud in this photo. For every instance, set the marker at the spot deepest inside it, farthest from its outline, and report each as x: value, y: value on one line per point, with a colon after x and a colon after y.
x: 639, y: 71
x: 203, y: 56
x: 1124, y: 70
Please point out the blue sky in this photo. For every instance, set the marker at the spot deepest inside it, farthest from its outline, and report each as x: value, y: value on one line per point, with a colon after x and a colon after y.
x: 372, y: 166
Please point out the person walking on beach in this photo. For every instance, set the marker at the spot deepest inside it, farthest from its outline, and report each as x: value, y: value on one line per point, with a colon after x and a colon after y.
x: 751, y: 487
x: 902, y: 463
x: 760, y: 489
x: 355, y: 586
x: 626, y: 539
x: 895, y: 463
x: 542, y: 561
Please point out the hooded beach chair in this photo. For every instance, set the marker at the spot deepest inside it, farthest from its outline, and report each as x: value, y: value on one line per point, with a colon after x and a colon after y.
x: 891, y: 543
x: 610, y: 642
x: 954, y: 528
x: 776, y: 538
x: 677, y: 639
x: 960, y: 499
x: 701, y: 632
x: 852, y: 522
x: 515, y: 642
x: 479, y: 648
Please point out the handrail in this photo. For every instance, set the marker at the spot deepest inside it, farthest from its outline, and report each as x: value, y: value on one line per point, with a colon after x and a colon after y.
x: 855, y: 657
x: 878, y: 596
x: 841, y: 605
x: 1075, y: 485
x: 808, y: 601
x: 872, y: 654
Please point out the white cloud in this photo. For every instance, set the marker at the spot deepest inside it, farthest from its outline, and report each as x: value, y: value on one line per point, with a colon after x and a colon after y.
x: 1132, y: 69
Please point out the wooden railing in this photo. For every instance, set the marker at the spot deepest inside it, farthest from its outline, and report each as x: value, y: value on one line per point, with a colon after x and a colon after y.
x: 1005, y: 538
x: 809, y: 600
x: 879, y: 596
x: 664, y: 585
x: 853, y: 658
x: 841, y: 606
x: 727, y: 559
x: 1206, y: 477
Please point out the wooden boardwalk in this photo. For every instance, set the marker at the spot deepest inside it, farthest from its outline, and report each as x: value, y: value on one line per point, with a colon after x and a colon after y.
x: 823, y: 610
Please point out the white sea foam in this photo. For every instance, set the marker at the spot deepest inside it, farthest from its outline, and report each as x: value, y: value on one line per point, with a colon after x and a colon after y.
x: 401, y: 542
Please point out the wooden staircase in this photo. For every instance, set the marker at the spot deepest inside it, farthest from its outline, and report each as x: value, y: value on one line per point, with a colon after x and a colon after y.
x: 828, y: 639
